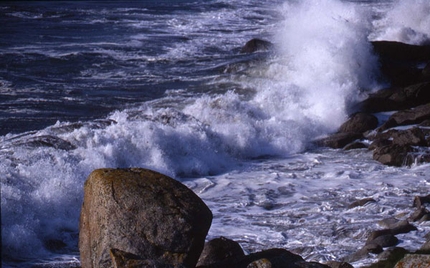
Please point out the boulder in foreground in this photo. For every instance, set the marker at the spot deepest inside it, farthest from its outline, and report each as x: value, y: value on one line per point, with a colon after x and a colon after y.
x: 140, y: 213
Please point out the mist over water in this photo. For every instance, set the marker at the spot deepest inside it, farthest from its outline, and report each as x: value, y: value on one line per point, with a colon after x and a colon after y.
x: 211, y: 118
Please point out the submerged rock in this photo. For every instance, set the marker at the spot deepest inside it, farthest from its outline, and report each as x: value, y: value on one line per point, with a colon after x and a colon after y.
x: 256, y: 44
x: 140, y: 213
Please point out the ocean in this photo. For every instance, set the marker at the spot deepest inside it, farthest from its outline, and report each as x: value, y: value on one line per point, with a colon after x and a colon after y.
x: 163, y: 85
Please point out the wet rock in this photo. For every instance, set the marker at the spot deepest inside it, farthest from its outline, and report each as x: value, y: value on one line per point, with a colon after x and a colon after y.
x: 304, y: 264
x: 339, y: 140
x: 277, y: 257
x: 413, y: 136
x: 141, y: 212
x: 374, y: 234
x: 361, y: 202
x: 363, y: 253
x: 397, y: 227
x: 359, y: 123
x: 355, y: 145
x: 401, y: 51
x: 337, y: 264
x: 399, y: 61
x: 373, y: 248
x: 256, y: 44
x: 389, y: 258
x: 419, y: 201
x: 380, y: 142
x: 396, y: 98
x: 425, y: 248
x: 392, y: 155
x: 408, y: 117
x: 413, y: 261
x: 384, y: 241
x: 418, y: 214
x: 219, y: 249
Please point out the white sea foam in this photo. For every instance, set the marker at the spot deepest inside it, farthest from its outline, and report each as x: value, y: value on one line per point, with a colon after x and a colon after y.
x: 405, y: 21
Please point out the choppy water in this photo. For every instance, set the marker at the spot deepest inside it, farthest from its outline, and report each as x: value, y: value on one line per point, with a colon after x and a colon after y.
x: 163, y: 86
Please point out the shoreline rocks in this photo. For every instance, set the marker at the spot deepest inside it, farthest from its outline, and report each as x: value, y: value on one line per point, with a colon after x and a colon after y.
x: 404, y: 138
x: 138, y: 214
x: 140, y: 218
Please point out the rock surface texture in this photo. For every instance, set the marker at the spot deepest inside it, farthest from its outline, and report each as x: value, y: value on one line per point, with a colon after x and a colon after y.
x: 143, y: 214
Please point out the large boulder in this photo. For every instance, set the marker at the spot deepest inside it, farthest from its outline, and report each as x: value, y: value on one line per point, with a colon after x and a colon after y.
x: 400, y: 51
x: 359, y: 123
x: 140, y: 213
x: 399, y: 61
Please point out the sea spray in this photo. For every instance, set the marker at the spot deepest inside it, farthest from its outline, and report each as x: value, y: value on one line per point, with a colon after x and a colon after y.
x: 404, y: 21
x: 325, y: 46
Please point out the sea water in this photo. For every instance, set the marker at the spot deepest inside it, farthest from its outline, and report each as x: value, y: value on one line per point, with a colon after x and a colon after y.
x: 162, y: 85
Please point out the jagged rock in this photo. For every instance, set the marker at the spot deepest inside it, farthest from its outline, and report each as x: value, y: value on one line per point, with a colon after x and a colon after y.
x: 419, y: 214
x: 414, y: 261
x: 392, y: 155
x: 219, y: 249
x: 408, y: 117
x: 413, y: 136
x: 361, y: 202
x: 339, y: 140
x: 141, y: 212
x: 419, y: 201
x: 396, y: 98
x: 359, y: 123
x: 279, y: 258
x: 256, y: 44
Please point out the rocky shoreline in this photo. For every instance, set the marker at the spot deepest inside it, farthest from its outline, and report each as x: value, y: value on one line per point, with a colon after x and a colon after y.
x: 403, y: 137
x: 140, y: 218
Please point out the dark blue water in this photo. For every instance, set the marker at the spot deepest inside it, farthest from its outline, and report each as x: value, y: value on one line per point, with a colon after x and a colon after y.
x: 73, y: 61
